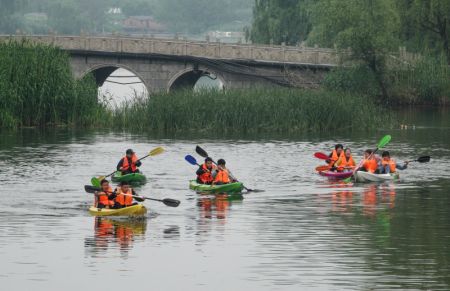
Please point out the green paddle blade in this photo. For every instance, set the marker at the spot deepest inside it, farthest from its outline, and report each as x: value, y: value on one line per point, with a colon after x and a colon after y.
x: 384, y: 141
x: 95, y: 182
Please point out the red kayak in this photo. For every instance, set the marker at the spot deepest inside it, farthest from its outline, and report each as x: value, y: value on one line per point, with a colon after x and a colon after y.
x: 336, y: 175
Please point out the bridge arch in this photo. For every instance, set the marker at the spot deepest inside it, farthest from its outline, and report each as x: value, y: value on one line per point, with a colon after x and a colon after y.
x: 188, y: 78
x: 101, y: 72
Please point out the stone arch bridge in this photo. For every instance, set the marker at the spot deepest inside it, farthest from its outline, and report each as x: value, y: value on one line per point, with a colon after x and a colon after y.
x: 170, y: 64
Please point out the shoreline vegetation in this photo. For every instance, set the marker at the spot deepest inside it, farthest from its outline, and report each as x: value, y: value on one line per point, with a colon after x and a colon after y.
x: 37, y: 89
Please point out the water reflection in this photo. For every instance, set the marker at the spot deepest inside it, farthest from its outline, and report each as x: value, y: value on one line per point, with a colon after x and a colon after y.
x: 114, y: 234
x: 217, y: 205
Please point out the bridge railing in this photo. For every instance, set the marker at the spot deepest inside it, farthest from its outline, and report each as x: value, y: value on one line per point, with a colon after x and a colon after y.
x: 204, y: 49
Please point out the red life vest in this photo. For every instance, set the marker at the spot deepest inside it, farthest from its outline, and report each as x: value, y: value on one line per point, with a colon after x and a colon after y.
x: 206, y: 177
x: 222, y: 177
x: 102, y: 198
x: 124, y: 199
x: 391, y: 163
x: 126, y: 165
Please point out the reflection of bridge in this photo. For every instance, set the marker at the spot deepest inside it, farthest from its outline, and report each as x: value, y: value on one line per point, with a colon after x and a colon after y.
x: 172, y: 64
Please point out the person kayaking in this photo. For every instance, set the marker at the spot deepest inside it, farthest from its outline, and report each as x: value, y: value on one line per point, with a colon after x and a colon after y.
x: 204, y: 172
x: 388, y: 165
x: 335, y: 155
x: 123, y: 196
x: 221, y: 175
x: 345, y: 162
x: 129, y: 163
x: 102, y: 197
x: 370, y: 162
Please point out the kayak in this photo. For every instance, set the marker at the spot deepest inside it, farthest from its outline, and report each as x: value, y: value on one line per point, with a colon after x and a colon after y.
x: 361, y: 176
x: 134, y: 210
x: 130, y: 178
x: 336, y: 175
x: 225, y: 188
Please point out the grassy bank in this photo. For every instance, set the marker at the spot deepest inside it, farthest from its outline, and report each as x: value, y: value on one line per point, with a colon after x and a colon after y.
x: 37, y: 88
x: 251, y: 111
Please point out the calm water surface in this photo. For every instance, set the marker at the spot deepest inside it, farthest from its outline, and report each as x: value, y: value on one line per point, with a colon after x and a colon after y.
x: 302, y: 232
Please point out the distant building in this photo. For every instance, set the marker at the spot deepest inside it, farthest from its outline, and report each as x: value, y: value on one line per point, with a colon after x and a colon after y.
x: 114, y: 10
x: 142, y: 24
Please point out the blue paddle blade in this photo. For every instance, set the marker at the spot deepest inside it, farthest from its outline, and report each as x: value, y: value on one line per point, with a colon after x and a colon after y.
x: 191, y: 160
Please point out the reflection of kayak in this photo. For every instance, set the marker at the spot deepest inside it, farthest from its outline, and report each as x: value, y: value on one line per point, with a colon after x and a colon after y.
x: 336, y: 175
x: 130, y: 178
x: 135, y: 210
x: 371, y: 177
x: 225, y: 188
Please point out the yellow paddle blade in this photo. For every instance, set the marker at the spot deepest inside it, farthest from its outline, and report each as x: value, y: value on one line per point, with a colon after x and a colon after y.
x: 156, y: 151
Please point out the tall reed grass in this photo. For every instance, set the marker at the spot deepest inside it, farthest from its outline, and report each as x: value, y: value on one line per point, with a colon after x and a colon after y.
x: 37, y: 88
x: 251, y: 111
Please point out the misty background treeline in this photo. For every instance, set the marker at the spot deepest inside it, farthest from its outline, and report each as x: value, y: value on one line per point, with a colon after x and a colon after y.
x: 108, y: 16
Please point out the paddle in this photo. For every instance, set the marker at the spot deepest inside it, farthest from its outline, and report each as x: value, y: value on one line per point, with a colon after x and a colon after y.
x: 204, y: 154
x: 166, y: 201
x: 322, y: 168
x: 322, y: 156
x: 424, y: 159
x: 191, y: 160
x: 154, y: 152
x: 382, y: 143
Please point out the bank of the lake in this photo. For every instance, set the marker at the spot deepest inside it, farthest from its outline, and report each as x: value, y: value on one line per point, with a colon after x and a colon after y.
x: 37, y: 89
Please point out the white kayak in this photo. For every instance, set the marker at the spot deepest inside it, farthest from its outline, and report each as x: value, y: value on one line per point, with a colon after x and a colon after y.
x: 371, y: 177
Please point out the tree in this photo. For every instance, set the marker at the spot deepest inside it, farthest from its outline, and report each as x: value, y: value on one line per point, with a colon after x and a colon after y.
x: 281, y: 21
x: 368, y: 28
x: 433, y: 16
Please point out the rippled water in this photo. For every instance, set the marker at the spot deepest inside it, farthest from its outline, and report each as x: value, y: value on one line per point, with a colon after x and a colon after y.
x: 302, y: 232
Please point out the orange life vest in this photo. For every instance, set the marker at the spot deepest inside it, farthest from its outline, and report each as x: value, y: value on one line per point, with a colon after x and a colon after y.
x: 343, y: 162
x: 391, y: 163
x: 370, y: 165
x: 222, y: 177
x: 126, y: 165
x: 103, y: 198
x: 124, y: 199
x: 334, y: 157
x: 206, y: 177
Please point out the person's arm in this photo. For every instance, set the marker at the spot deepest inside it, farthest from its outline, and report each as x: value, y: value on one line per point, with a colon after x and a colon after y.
x: 139, y: 199
x: 138, y: 163
x: 200, y: 171
x: 119, y: 165
x: 112, y: 196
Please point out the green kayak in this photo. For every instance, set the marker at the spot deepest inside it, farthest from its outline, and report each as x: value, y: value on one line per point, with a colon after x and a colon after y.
x: 225, y: 188
x: 134, y: 178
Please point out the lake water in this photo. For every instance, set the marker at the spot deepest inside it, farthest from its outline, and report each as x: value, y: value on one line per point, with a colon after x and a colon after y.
x: 303, y: 232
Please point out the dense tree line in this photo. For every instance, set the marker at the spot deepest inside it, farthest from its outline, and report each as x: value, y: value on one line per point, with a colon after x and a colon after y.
x: 369, y: 32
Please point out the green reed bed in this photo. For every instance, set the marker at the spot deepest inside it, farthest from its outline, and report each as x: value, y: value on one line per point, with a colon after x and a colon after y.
x: 37, y: 88
x: 251, y: 111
